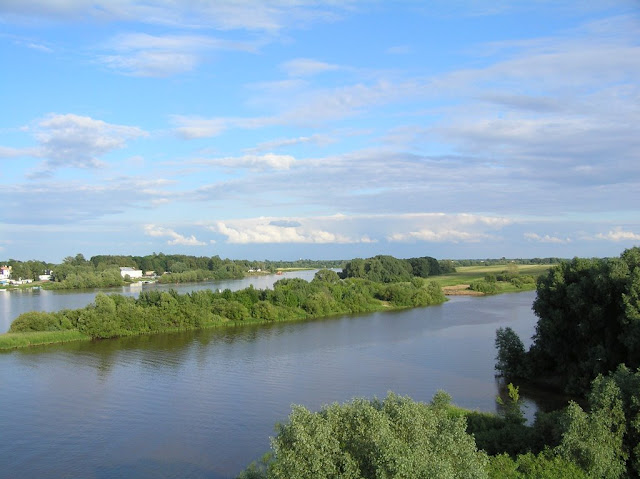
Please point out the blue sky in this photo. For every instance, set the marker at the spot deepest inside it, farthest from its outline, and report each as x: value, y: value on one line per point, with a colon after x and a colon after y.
x: 305, y: 129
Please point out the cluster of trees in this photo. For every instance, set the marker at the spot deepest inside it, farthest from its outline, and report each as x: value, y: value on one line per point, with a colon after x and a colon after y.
x: 587, y: 342
x: 589, y: 323
x: 103, y: 271
x: 401, y: 438
x: 27, y: 269
x: 387, y: 269
x: 489, y: 284
x: 290, y: 299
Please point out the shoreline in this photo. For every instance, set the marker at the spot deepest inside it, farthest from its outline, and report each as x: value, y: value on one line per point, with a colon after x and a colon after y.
x: 11, y: 341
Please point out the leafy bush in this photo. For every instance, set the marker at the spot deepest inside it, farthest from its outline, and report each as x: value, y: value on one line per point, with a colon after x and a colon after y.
x: 396, y: 437
x: 483, y: 286
x: 40, y: 321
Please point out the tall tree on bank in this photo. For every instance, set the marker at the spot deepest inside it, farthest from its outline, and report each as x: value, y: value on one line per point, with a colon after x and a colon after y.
x: 589, y: 323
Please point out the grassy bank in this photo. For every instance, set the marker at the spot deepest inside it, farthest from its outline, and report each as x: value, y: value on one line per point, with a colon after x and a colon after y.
x: 111, y: 316
x: 459, y: 282
x: 35, y: 338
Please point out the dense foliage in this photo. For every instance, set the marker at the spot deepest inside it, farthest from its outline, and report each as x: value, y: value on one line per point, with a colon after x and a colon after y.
x: 393, y: 438
x: 117, y: 315
x: 400, y: 438
x: 589, y: 323
x: 103, y: 271
x: 587, y: 342
x: 387, y: 269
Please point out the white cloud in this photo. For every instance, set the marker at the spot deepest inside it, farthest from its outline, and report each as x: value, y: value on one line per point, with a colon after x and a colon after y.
x: 194, y: 127
x: 141, y: 54
x: 177, y: 239
x: 439, y: 227
x: 618, y: 234
x: 70, y: 140
x: 343, y: 229
x: 57, y: 202
x: 253, y: 162
x: 8, y: 152
x: 302, y: 67
x: 316, y: 139
x: 546, y: 238
x: 279, y: 230
x: 253, y: 15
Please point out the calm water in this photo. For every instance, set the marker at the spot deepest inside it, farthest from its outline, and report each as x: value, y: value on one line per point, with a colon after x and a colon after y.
x: 203, y: 404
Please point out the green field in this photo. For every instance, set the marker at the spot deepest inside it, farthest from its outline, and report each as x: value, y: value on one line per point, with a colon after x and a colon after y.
x: 469, y: 274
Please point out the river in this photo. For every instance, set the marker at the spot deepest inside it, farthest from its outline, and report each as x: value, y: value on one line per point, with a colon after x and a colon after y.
x: 203, y: 404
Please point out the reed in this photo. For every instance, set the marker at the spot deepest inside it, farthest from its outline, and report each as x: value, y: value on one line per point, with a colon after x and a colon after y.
x: 21, y: 340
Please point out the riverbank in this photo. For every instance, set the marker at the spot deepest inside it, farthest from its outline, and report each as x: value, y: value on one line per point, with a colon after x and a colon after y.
x: 503, y: 279
x: 111, y: 316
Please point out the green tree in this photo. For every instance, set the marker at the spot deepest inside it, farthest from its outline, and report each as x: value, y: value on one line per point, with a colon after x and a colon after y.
x: 364, y: 439
x: 511, y: 358
x: 595, y: 441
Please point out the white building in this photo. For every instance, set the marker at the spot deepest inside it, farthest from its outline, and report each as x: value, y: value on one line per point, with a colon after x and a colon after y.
x: 132, y: 273
x: 5, y: 272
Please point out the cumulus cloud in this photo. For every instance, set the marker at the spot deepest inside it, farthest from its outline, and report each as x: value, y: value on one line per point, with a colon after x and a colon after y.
x: 546, y: 238
x: 68, y: 140
x: 618, y: 234
x: 176, y: 238
x: 273, y: 230
x: 343, y: 229
x: 285, y: 223
x: 439, y: 227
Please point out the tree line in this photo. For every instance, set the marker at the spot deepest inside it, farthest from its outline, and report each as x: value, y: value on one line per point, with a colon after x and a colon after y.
x: 290, y: 299
x: 103, y: 271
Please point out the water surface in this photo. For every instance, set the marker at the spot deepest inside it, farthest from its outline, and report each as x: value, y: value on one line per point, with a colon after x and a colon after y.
x: 203, y: 404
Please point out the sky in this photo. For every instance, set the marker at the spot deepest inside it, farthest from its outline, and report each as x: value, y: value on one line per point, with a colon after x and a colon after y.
x: 287, y: 129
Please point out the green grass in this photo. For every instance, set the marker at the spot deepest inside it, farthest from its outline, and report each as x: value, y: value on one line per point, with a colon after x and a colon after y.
x: 22, y: 340
x: 468, y: 274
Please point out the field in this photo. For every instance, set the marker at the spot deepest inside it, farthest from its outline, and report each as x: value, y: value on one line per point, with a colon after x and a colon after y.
x: 457, y: 283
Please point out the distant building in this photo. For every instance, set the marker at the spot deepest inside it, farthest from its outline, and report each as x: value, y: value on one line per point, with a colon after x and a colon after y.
x: 5, y: 272
x: 132, y: 273
x: 44, y: 277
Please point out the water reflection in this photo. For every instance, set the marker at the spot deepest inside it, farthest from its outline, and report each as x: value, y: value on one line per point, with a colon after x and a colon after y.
x: 205, y: 402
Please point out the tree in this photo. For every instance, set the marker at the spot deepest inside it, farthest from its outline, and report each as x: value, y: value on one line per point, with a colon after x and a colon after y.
x: 589, y: 321
x: 367, y: 439
x: 327, y: 276
x: 511, y: 358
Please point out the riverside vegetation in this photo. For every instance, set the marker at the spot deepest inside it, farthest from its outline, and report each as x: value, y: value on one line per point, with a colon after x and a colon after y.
x: 103, y: 271
x: 327, y: 294
x: 364, y: 285
x: 587, y: 342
